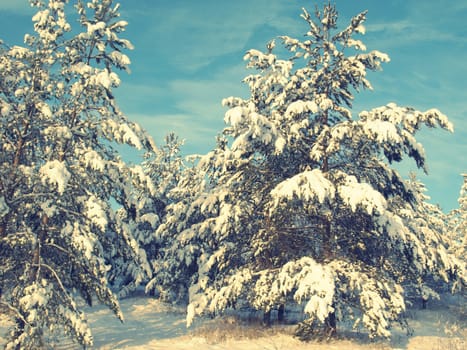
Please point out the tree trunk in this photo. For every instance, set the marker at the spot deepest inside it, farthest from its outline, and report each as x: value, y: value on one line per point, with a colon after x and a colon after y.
x: 424, y: 301
x: 281, y: 313
x: 331, y: 324
x: 267, y: 318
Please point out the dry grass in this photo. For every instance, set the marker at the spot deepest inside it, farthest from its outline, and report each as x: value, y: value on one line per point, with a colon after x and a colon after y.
x: 226, y: 328
x: 233, y: 328
x: 436, y: 343
x: 443, y: 331
x: 277, y: 337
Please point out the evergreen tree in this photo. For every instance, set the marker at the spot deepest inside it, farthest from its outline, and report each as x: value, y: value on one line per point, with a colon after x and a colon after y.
x: 164, y: 167
x: 299, y: 202
x: 457, y: 221
x: 60, y: 174
x: 430, y: 223
x: 179, y: 246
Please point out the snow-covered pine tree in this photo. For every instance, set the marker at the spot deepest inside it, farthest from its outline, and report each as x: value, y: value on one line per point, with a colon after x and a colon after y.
x: 430, y: 223
x: 60, y: 174
x: 457, y: 222
x: 177, y: 236
x: 164, y: 167
x: 301, y: 205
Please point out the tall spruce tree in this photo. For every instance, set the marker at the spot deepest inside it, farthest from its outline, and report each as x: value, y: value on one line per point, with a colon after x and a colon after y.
x: 299, y: 203
x: 60, y: 174
x: 457, y: 222
x: 175, y: 265
x: 431, y: 224
x: 164, y: 167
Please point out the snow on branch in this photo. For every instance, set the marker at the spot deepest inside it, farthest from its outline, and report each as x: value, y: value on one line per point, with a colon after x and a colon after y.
x: 55, y: 173
x: 306, y: 186
x: 356, y: 194
x: 93, y: 160
x: 231, y: 291
x: 95, y: 212
x: 410, y: 118
x: 258, y: 59
x: 380, y: 302
x: 382, y: 131
x: 311, y: 282
x: 122, y: 132
x: 250, y: 126
x: 299, y: 107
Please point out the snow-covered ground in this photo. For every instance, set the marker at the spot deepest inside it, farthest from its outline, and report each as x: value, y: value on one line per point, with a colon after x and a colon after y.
x: 150, y: 324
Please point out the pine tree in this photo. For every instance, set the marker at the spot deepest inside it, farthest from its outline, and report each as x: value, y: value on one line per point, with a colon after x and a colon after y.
x: 299, y: 203
x: 179, y: 246
x: 60, y: 175
x: 457, y: 222
x: 163, y: 167
x: 430, y: 224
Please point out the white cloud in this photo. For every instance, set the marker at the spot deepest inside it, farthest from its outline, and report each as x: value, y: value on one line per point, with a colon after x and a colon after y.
x: 425, y: 21
x: 199, y: 136
x: 135, y: 96
x: 204, y: 97
x: 389, y: 26
x: 199, y: 115
x: 406, y: 33
x: 194, y: 36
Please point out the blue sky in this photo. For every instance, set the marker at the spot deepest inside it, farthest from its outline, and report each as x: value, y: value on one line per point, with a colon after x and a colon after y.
x: 188, y: 56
